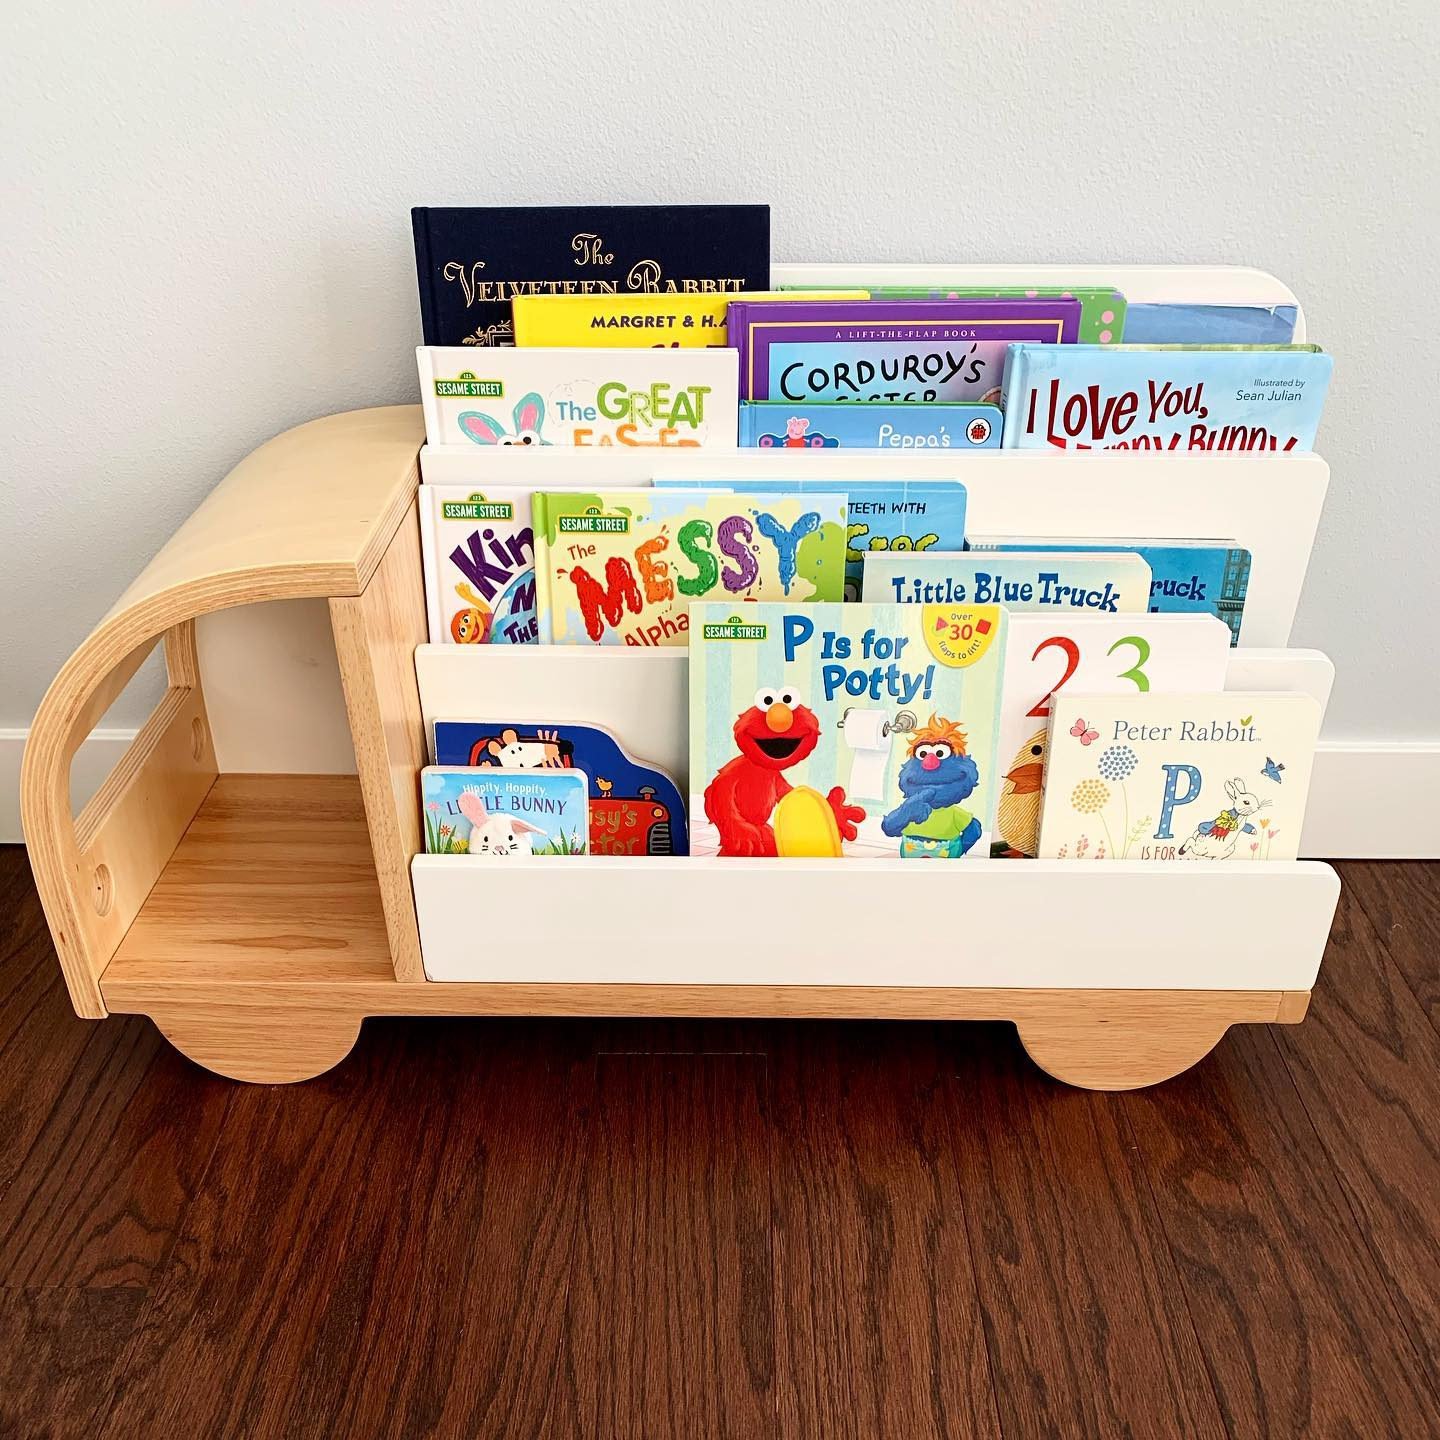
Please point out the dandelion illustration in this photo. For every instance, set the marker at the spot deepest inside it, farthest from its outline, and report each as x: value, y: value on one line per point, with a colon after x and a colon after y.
x: 1117, y: 762
x: 1089, y: 796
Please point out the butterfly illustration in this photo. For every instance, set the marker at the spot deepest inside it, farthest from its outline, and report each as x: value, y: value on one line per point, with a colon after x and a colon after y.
x: 1085, y: 737
x: 1271, y: 770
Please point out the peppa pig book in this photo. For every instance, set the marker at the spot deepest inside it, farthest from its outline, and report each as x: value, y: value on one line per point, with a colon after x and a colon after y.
x: 1222, y: 778
x: 843, y: 730
x: 503, y: 814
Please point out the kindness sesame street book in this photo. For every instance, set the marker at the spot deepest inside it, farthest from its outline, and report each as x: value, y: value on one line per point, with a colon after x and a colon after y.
x: 503, y: 814
x: 1062, y: 582
x: 1221, y: 778
x: 855, y: 730
x: 581, y: 396
x: 622, y: 567
x: 1046, y: 654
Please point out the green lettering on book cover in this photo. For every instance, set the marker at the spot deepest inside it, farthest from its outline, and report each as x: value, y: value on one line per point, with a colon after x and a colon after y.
x: 593, y: 522
x: 466, y: 386
x: 733, y: 629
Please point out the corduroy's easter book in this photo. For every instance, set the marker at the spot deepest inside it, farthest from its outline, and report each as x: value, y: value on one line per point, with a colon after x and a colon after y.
x: 473, y: 261
x: 903, y: 425
x: 1091, y: 654
x: 1255, y: 398
x: 899, y: 515
x: 503, y: 814
x: 868, y: 350
x: 1221, y: 778
x: 635, y: 809
x: 655, y: 322
x: 622, y: 567
x: 857, y: 730
x: 1058, y: 582
x: 579, y: 396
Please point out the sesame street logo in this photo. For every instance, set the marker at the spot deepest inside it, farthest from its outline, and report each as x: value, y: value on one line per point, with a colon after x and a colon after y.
x: 733, y: 629
x: 477, y: 507
x: 466, y: 386
x: 594, y: 523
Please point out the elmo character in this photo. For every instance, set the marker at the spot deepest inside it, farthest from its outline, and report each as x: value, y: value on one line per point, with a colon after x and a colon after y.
x: 936, y: 777
x: 777, y: 732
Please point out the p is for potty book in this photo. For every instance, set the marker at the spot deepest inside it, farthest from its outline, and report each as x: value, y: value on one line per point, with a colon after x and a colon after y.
x: 843, y: 730
x: 1219, y: 778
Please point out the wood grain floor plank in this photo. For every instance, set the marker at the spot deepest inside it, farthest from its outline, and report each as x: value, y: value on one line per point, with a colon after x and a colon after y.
x: 1402, y: 900
x: 1299, y: 1332
x: 878, y: 1329
x: 1367, y: 1066
x: 1088, y: 1331
x: 380, y: 1252
x: 669, y: 1326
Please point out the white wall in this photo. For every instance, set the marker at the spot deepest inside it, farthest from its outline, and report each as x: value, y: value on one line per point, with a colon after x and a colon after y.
x: 204, y: 232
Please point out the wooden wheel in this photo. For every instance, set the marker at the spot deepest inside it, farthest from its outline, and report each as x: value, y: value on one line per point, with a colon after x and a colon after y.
x: 1099, y: 1051
x: 265, y: 1046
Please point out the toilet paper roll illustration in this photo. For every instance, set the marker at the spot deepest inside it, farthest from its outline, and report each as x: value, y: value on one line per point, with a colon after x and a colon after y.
x: 867, y: 733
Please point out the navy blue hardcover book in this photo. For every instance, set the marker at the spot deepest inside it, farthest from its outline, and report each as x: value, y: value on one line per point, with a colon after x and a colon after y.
x: 473, y: 260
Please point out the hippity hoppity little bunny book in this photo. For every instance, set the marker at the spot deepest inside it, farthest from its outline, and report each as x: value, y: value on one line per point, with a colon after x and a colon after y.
x: 856, y: 730
x: 1178, y: 777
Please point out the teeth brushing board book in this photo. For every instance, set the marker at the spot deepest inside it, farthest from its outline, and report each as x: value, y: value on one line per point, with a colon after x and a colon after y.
x: 1061, y: 582
x: 1219, y: 778
x: 622, y: 567
x: 503, y: 814
x: 1046, y: 654
x: 635, y: 809
x: 830, y: 730
x: 582, y: 396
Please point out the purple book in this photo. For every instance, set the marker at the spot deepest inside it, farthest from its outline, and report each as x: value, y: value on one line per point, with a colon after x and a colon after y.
x: 951, y: 350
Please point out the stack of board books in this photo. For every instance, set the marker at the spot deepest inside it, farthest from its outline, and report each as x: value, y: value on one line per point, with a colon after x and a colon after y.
x: 867, y: 678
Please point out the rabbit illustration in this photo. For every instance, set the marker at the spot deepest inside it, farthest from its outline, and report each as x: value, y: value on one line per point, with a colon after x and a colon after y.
x: 1216, y: 839
x: 500, y: 836
x: 528, y: 417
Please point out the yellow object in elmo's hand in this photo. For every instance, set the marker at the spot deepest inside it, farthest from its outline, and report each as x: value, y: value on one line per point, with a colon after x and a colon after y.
x: 805, y: 824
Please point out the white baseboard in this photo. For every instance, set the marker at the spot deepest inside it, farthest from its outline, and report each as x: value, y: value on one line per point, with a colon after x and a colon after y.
x: 1366, y: 797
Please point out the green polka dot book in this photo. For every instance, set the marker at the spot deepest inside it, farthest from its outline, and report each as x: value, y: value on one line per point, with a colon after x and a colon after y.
x: 1219, y: 779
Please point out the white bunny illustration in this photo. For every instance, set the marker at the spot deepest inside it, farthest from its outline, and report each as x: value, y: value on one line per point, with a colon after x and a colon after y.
x: 1216, y: 839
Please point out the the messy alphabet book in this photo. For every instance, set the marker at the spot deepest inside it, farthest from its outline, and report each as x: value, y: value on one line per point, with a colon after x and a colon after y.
x: 828, y: 730
x: 503, y: 814
x: 889, y: 350
x: 1092, y: 654
x: 635, y: 809
x: 1221, y: 778
x: 580, y: 397
x: 899, y: 515
x: 621, y: 567
x: 1109, y: 583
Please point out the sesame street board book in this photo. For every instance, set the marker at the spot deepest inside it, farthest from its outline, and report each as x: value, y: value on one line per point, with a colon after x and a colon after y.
x: 881, y: 425
x: 621, y: 567
x: 1222, y: 778
x: 635, y: 809
x: 870, y: 350
x: 578, y: 396
x: 830, y: 730
x: 1108, y: 582
x: 503, y: 813
x: 900, y: 515
x: 1094, y: 654
x: 1187, y: 577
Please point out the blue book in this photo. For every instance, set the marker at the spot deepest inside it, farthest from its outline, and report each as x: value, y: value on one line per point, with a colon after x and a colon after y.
x: 1210, y: 324
x: 1135, y: 397
x: 881, y: 425
x: 635, y: 809
x: 883, y: 514
x: 1187, y: 577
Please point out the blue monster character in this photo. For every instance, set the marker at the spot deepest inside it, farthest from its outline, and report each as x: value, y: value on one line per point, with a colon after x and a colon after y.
x: 935, y: 778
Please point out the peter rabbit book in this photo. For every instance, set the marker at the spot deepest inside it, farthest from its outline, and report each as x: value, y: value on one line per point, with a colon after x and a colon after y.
x: 904, y: 425
x: 899, y: 515
x: 1164, y: 397
x: 1187, y: 577
x: 581, y: 397
x: 828, y: 730
x: 1058, y: 582
x: 503, y: 814
x: 869, y: 350
x: 1090, y: 654
x: 472, y: 261
x: 646, y: 321
x: 635, y: 809
x: 622, y: 567
x: 1178, y: 777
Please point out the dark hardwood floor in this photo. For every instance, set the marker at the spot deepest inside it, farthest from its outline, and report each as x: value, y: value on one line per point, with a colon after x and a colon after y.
x: 653, y: 1229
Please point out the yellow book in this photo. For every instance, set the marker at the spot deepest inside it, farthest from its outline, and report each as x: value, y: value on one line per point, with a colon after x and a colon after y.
x: 656, y: 322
